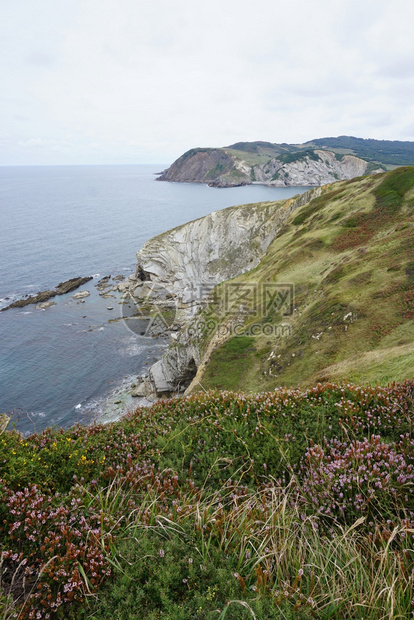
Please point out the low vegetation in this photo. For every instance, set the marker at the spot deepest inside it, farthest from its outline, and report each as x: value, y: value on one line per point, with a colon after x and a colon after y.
x: 348, y: 256
x: 289, y: 158
x: 286, y: 504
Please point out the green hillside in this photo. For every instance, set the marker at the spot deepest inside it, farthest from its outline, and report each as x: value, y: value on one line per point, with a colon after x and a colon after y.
x: 395, y: 152
x: 349, y: 255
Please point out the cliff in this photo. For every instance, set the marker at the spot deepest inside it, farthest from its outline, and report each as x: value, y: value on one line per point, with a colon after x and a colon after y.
x: 178, y: 270
x: 227, y: 168
x: 320, y: 169
x: 313, y: 163
x: 212, y: 166
x: 344, y: 255
x: 211, y: 249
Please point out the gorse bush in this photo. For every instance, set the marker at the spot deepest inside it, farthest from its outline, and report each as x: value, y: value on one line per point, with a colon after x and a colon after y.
x: 221, y: 505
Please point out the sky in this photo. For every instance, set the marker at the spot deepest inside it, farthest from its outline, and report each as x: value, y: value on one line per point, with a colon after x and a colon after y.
x: 140, y: 82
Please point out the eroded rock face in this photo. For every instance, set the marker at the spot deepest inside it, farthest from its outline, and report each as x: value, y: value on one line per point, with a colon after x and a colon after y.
x: 221, y: 168
x: 203, y: 253
x: 182, y: 266
x: 188, y: 261
x: 321, y: 171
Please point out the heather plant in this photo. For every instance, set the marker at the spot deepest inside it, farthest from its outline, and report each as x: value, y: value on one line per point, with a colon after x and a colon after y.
x: 291, y: 503
x: 344, y: 480
x: 58, y: 541
x: 167, y: 576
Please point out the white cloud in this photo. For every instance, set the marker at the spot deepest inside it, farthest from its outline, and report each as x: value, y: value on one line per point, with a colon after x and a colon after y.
x: 126, y: 80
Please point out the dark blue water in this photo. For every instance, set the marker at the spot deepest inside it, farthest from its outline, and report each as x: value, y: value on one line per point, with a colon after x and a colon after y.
x: 66, y: 363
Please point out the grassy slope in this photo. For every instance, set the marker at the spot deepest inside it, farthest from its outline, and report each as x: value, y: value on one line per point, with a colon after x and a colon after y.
x: 349, y: 251
x: 388, y: 152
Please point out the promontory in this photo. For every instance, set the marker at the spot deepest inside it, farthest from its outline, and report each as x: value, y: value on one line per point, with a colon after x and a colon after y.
x: 314, y: 163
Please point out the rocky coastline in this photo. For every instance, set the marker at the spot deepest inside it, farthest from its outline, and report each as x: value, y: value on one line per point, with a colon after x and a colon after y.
x: 175, y: 274
x: 229, y: 167
x: 177, y: 271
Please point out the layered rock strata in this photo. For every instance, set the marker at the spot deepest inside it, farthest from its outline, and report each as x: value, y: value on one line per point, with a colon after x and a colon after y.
x: 221, y: 168
x: 179, y: 269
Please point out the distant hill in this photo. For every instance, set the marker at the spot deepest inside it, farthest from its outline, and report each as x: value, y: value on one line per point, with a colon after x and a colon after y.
x: 392, y: 152
x: 317, y: 162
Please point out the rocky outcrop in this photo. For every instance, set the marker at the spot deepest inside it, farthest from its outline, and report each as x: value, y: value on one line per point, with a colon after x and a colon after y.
x: 4, y: 422
x: 230, y: 167
x: 185, y: 263
x: 180, y: 268
x: 44, y: 296
x: 322, y: 169
x: 211, y: 166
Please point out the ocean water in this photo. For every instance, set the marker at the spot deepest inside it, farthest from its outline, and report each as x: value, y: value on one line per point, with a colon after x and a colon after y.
x: 68, y: 363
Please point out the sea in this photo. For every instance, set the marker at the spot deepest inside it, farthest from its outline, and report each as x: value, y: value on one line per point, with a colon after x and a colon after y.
x: 72, y: 363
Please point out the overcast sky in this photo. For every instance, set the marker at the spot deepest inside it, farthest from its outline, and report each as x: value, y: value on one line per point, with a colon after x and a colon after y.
x: 142, y: 81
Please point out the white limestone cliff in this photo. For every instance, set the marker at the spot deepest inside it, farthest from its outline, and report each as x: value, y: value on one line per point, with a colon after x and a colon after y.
x: 222, y: 168
x: 321, y: 171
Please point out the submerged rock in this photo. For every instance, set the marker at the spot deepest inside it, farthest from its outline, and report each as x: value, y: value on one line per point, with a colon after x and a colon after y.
x: 103, y: 280
x: 45, y: 304
x: 81, y: 294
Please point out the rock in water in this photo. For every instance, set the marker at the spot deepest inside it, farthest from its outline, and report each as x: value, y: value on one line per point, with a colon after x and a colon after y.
x: 43, y: 296
x: 45, y: 304
x: 4, y: 421
x: 81, y: 294
x: 71, y: 285
x: 139, y: 391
